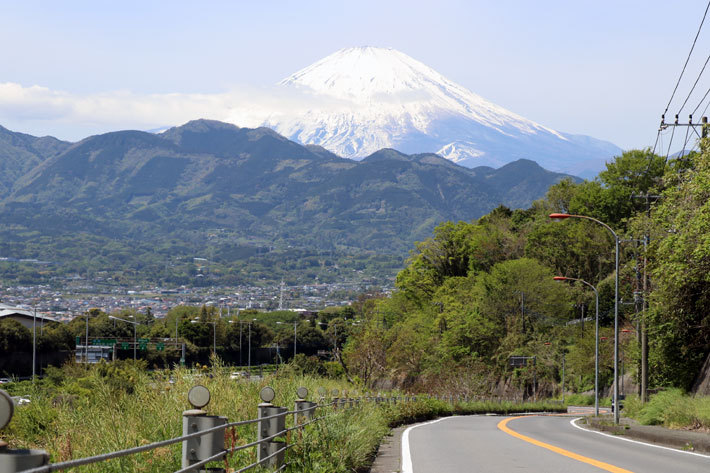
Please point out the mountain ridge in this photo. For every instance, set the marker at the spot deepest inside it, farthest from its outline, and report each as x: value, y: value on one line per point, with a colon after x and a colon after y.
x: 259, y: 187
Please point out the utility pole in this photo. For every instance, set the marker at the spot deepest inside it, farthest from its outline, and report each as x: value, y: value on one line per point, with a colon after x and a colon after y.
x: 281, y: 295
x: 522, y: 309
x: 642, y: 333
x: 638, y: 297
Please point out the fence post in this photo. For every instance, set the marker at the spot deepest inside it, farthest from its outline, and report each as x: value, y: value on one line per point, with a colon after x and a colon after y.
x: 269, y: 428
x: 302, y: 407
x: 194, y: 420
x: 12, y: 461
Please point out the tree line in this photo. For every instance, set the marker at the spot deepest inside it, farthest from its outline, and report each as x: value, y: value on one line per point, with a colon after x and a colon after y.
x: 475, y: 294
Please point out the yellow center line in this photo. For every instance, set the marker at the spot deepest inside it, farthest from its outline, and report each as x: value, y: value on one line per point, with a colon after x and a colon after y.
x: 502, y: 425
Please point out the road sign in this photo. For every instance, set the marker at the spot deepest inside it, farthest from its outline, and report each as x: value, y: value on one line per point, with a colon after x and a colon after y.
x: 520, y: 361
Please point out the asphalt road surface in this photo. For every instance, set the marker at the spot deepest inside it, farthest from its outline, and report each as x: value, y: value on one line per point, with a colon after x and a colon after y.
x: 545, y: 444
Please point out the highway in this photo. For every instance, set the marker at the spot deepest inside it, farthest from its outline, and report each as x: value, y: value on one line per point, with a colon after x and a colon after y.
x: 545, y: 444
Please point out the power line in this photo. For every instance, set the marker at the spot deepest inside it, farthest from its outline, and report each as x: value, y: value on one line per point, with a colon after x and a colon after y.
x: 688, y: 59
x: 694, y: 84
x: 670, y: 142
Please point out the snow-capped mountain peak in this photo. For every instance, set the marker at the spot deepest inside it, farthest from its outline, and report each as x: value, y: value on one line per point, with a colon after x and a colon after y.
x: 367, y: 98
x: 384, y: 78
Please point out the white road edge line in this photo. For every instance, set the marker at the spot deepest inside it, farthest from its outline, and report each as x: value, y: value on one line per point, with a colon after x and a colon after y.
x: 406, y: 454
x: 574, y: 423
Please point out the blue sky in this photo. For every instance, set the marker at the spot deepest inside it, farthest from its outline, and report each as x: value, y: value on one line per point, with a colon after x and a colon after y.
x: 601, y: 68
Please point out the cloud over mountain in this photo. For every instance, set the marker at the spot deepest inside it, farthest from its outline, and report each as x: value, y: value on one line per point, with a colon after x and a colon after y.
x: 353, y: 102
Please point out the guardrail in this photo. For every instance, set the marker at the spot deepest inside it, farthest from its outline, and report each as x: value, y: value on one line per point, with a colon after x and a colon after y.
x: 204, y: 436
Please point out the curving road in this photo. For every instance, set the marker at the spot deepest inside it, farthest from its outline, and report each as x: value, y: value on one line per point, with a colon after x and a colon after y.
x: 545, y: 444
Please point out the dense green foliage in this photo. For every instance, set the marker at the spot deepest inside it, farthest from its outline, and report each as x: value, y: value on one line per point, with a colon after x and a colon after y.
x: 477, y: 293
x: 200, y: 327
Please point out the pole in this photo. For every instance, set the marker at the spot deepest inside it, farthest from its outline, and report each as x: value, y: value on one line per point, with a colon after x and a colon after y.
x: 563, y: 377
x: 135, y: 340
x: 249, y: 350
x: 214, y: 336
x: 240, y: 344
x: 644, y: 334
x: 86, y: 345
x: 616, y: 331
x: 34, y: 342
x: 294, y: 339
x: 596, y: 355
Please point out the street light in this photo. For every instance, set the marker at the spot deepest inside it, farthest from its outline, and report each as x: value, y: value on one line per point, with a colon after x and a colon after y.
x: 559, y: 216
x: 214, y: 333
x: 295, y: 325
x: 596, y: 340
x: 34, y: 341
x: 135, y: 333
x: 249, y: 344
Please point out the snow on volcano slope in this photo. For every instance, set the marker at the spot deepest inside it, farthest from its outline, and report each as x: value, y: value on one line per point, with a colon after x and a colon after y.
x: 363, y: 99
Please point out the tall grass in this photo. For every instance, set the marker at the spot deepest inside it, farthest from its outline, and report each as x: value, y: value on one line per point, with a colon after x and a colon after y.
x: 102, y: 410
x: 671, y: 408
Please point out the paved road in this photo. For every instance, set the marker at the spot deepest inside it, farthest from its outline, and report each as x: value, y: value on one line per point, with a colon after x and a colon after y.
x: 477, y: 444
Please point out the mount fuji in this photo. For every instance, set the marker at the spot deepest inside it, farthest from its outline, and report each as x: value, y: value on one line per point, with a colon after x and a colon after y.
x: 364, y: 99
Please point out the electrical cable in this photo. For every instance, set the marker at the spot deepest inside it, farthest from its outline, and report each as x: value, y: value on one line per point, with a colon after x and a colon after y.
x: 658, y: 135
x: 670, y: 143
x: 701, y: 102
x: 694, y: 85
x: 688, y: 59
x: 685, y: 143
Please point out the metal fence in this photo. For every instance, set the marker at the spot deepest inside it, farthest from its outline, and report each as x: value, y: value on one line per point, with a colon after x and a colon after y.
x: 204, y: 436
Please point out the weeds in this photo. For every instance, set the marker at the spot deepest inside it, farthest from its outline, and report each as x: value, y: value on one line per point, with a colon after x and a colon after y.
x: 671, y: 408
x: 84, y: 412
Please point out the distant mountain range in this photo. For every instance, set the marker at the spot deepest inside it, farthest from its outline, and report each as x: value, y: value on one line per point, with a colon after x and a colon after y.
x: 359, y: 100
x: 209, y: 183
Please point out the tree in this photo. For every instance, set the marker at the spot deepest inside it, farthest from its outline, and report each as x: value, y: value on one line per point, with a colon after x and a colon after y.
x: 14, y: 337
x: 680, y: 264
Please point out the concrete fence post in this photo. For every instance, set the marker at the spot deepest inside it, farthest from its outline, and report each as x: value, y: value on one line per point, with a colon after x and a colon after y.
x: 12, y: 461
x: 303, y: 408
x: 194, y: 420
x: 269, y: 428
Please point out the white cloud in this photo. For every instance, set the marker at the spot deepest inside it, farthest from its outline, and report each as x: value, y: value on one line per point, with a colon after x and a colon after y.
x: 40, y: 110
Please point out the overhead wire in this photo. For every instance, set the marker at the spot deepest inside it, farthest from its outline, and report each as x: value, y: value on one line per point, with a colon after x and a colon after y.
x: 670, y: 143
x: 701, y: 102
x: 675, y: 89
x: 694, y: 85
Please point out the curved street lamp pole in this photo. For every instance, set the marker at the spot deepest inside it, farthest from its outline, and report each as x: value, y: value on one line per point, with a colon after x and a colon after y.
x: 295, y: 328
x: 596, y: 340
x: 560, y: 216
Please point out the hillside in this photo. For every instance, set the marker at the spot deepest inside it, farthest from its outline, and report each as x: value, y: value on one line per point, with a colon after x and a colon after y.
x: 251, y: 187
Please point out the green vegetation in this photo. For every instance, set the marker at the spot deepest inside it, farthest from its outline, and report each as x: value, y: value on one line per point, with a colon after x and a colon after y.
x: 232, y: 335
x: 76, y: 412
x: 133, y: 207
x: 477, y: 293
x: 671, y: 408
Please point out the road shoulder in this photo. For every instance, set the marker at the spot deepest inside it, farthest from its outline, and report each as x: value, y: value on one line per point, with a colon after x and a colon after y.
x: 681, y: 439
x: 389, y: 455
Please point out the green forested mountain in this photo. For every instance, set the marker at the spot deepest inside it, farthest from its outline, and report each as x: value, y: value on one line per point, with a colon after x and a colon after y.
x: 19, y: 153
x: 210, y: 184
